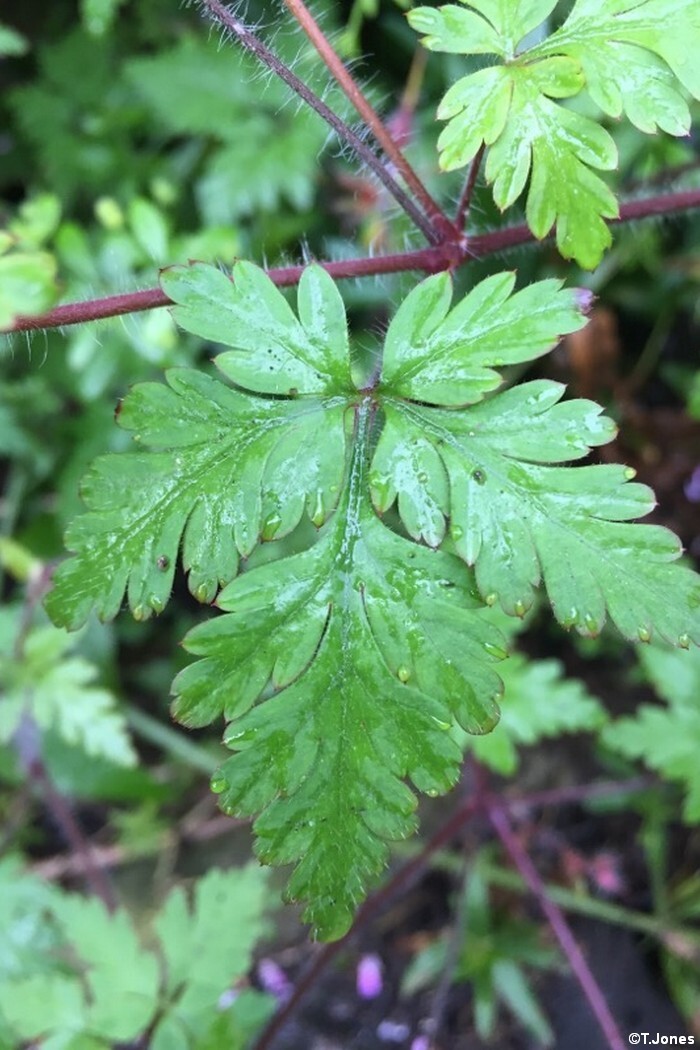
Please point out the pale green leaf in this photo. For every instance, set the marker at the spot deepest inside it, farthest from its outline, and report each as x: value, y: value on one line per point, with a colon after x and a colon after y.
x: 667, y: 739
x: 27, y: 284
x: 218, y: 932
x: 376, y: 647
x: 57, y: 689
x: 668, y: 742
x: 633, y: 56
x: 497, y: 28
x: 43, y: 1003
x: 514, y: 516
x: 275, y: 352
x: 520, y: 522
x: 538, y: 702
x: 121, y: 979
x: 633, y: 53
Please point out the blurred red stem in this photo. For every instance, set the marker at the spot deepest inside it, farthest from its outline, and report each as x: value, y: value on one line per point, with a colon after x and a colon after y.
x: 500, y: 822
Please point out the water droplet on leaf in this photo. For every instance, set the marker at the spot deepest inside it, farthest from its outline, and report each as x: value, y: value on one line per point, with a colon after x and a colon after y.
x: 644, y: 634
x: 457, y: 532
x: 218, y: 783
x: 156, y: 603
x: 519, y: 608
x: 319, y: 514
x: 630, y: 473
x: 140, y: 613
x: 422, y: 476
x: 495, y: 650
x: 403, y: 673
x: 163, y: 562
x: 684, y: 641
x: 479, y: 477
x: 590, y: 623
x: 271, y: 526
x: 491, y: 599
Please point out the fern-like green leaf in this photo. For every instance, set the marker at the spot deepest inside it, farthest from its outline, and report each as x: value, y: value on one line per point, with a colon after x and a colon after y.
x: 268, y: 152
x: 514, y: 515
x: 222, y: 468
x: 376, y: 646
x: 629, y: 55
x: 57, y: 689
x: 344, y: 669
x: 109, y: 989
x: 667, y: 739
x: 538, y: 703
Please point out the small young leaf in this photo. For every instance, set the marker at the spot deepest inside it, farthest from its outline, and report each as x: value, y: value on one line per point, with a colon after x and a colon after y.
x: 629, y: 55
x: 57, y: 690
x: 121, y: 978
x: 200, y: 962
x: 377, y: 648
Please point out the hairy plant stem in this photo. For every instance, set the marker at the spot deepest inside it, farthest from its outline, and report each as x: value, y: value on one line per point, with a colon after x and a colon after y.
x: 500, y: 822
x: 429, y: 260
x: 262, y: 52
x: 465, y: 199
x: 444, y: 227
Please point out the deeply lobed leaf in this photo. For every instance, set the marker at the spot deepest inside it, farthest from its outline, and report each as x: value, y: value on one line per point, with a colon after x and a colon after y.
x: 223, y: 468
x: 344, y: 669
x: 513, y: 515
x: 376, y: 646
x: 629, y: 55
x: 666, y: 738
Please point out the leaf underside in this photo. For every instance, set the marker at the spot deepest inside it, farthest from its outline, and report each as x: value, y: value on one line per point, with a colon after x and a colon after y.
x: 343, y: 670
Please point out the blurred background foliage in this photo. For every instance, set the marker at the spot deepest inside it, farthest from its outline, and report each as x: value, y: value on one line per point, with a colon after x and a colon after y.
x: 133, y: 136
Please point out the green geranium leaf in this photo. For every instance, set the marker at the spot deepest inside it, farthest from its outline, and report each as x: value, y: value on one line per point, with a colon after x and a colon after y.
x: 448, y: 356
x: 375, y: 647
x: 223, y: 468
x: 631, y: 56
x: 514, y: 515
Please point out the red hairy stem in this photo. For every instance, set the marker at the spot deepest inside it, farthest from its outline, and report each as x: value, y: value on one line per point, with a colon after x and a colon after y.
x: 465, y: 199
x: 429, y: 260
x: 381, y: 133
x: 252, y: 43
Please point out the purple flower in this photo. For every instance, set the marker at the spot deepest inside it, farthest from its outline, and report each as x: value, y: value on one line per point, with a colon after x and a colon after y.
x: 692, y: 487
x: 368, y: 980
x: 273, y: 979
